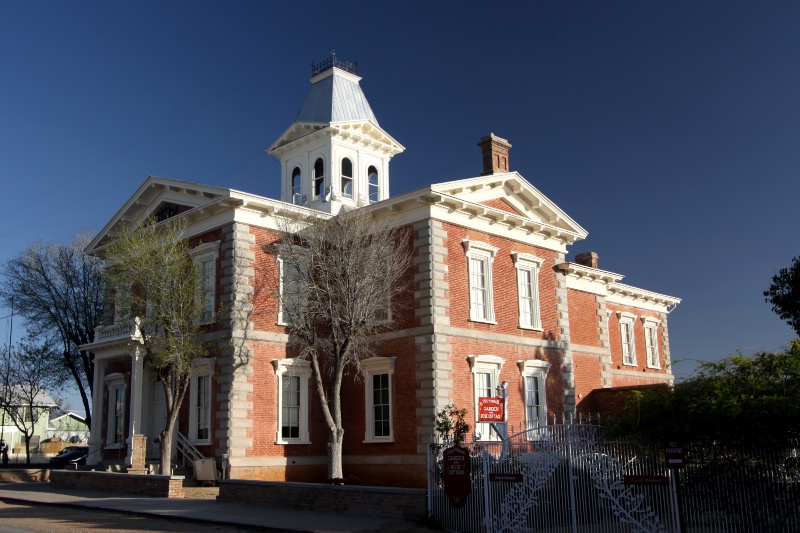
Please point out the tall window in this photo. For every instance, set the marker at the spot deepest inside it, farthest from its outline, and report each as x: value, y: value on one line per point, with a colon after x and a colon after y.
x: 651, y: 341
x: 485, y: 376
x: 115, y: 434
x: 297, y: 184
x: 374, y: 189
x: 122, y: 303
x: 291, y: 296
x: 528, y: 289
x: 378, y: 392
x: 293, y: 376
x: 347, y: 178
x: 200, y: 401
x: 479, y: 258
x: 626, y: 337
x: 319, y: 177
x: 205, y: 258
x: 534, y: 374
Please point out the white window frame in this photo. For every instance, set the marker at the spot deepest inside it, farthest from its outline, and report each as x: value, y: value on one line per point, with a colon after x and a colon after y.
x: 527, y: 263
x: 317, y: 182
x: 201, y: 368
x: 477, y: 251
x: 535, y: 369
x: 650, y: 325
x: 376, y: 366
x: 293, y: 367
x: 116, y: 382
x: 482, y: 365
x: 629, y: 347
x: 202, y: 255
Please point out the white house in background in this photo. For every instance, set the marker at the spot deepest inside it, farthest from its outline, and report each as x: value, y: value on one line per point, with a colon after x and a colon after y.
x: 67, y: 426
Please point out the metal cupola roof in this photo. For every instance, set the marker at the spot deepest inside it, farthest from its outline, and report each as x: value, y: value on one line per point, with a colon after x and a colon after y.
x: 335, y: 95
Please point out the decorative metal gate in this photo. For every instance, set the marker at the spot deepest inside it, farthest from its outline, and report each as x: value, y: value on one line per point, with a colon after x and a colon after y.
x: 560, y: 478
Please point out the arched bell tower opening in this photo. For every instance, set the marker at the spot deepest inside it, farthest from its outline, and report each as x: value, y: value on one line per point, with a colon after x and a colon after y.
x: 335, y: 154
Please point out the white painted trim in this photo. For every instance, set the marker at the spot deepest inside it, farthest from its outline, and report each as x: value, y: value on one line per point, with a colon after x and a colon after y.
x: 302, y: 369
x: 369, y: 368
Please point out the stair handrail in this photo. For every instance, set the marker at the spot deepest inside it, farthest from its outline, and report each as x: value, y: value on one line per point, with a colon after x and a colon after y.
x: 187, y: 449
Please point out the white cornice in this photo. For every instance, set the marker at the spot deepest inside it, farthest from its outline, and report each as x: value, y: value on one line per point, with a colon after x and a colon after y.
x: 363, y: 134
x: 587, y: 279
x: 622, y: 294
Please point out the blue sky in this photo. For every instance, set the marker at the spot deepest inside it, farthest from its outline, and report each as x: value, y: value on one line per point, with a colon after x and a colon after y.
x: 669, y: 130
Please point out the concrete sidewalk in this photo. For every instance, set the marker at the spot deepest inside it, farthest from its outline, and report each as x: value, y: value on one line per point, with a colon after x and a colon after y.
x: 207, y: 510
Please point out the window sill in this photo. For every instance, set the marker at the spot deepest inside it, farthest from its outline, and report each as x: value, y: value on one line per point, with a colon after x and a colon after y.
x: 531, y: 328
x: 630, y: 364
x: 387, y: 440
x: 200, y: 442
x: 114, y: 446
x: 286, y: 442
x: 653, y: 367
x: 483, y: 321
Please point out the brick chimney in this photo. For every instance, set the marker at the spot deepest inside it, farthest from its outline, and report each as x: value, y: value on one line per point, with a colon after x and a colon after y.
x: 495, y: 154
x: 588, y: 259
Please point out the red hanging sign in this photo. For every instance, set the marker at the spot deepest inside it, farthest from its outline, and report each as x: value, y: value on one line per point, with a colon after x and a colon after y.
x: 490, y: 410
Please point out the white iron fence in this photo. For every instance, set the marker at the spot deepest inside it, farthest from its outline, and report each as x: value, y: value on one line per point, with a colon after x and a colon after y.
x: 567, y: 478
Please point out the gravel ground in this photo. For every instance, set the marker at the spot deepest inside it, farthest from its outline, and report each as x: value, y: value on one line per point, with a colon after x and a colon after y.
x: 57, y: 519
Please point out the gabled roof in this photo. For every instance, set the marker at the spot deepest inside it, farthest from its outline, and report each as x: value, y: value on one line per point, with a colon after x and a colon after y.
x: 153, y: 193
x: 517, y: 192
x: 42, y: 399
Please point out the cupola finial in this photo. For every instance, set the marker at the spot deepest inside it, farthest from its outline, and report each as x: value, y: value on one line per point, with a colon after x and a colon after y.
x: 332, y: 62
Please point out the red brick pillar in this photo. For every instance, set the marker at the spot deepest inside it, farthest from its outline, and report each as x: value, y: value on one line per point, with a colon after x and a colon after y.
x: 138, y: 454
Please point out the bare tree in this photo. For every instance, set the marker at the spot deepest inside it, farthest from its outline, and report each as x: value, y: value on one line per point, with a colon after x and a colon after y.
x: 58, y: 289
x: 337, y: 283
x: 27, y: 373
x: 160, y: 285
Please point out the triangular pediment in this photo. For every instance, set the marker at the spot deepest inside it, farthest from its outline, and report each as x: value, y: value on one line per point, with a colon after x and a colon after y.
x: 511, y: 193
x: 162, y: 198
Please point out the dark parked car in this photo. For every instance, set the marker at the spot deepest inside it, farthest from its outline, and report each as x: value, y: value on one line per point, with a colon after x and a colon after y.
x: 77, y: 448
x: 63, y: 459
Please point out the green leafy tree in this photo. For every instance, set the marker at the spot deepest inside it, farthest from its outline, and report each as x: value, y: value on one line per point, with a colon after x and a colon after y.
x: 450, y: 426
x: 160, y: 287
x: 784, y: 294
x: 738, y: 401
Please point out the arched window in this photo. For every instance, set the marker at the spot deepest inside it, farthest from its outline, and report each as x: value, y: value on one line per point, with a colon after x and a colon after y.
x: 319, y: 177
x: 372, y: 172
x: 297, y: 197
x: 347, y: 178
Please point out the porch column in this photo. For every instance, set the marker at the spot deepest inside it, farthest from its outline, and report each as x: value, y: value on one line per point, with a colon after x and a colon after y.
x: 98, y: 393
x: 137, y: 381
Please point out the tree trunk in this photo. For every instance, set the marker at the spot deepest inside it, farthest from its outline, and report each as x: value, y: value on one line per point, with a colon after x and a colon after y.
x: 28, y: 449
x: 335, y: 455
x: 166, y: 444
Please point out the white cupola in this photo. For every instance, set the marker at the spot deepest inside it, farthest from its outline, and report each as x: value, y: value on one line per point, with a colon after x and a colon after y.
x: 334, y: 154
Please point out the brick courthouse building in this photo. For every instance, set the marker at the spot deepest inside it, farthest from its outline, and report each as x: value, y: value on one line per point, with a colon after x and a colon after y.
x: 494, y: 299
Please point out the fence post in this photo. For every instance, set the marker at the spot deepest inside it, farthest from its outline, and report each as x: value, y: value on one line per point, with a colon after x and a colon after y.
x: 487, y: 504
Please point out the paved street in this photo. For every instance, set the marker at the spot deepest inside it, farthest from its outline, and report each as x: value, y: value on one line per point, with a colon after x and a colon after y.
x: 18, y: 518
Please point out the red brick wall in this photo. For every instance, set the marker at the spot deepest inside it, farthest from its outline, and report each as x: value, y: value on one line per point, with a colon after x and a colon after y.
x: 584, y: 322
x: 504, y: 276
x: 587, y: 378
x: 638, y: 339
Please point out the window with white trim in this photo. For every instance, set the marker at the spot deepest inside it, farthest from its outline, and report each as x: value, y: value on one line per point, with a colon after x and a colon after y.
x: 205, y: 259
x: 626, y: 321
x: 200, y: 401
x: 115, y: 429
x: 122, y: 303
x: 297, y: 184
x: 480, y: 257
x: 293, y: 376
x: 378, y: 398
x: 319, y: 178
x: 534, y: 376
x: 372, y: 184
x: 347, y: 178
x: 651, y: 341
x: 528, y: 289
x: 485, y: 376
